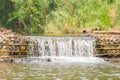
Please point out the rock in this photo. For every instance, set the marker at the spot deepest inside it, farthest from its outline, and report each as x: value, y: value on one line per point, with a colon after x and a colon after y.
x: 11, y: 42
x: 48, y: 60
x: 110, y: 40
x: 1, y: 39
x: 7, y: 60
x: 112, y: 59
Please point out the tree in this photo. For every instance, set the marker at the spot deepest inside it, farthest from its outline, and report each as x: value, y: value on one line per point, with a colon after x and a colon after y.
x: 32, y: 14
x: 6, y: 7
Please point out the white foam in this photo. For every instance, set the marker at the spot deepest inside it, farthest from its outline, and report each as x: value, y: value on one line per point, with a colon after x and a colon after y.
x: 64, y: 59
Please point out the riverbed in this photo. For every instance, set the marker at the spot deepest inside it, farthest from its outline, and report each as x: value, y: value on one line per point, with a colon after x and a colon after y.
x: 60, y: 71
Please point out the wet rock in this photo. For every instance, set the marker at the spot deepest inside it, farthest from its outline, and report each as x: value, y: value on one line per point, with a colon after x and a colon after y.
x: 8, y: 60
x: 48, y: 60
x: 112, y: 59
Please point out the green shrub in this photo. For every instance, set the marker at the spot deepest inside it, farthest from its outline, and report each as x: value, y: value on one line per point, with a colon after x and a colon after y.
x: 76, y: 15
x: 58, y: 16
x: 117, y: 20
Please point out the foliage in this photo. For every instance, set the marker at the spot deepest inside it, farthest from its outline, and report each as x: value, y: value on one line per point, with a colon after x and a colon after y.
x: 32, y: 13
x: 76, y: 15
x: 5, y: 10
x: 57, y: 16
x: 117, y: 21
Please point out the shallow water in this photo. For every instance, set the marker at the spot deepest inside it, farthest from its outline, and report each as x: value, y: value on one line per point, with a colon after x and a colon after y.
x: 60, y: 71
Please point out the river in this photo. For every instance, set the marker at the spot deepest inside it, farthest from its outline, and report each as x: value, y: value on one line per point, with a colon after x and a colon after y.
x: 61, y: 58
x: 60, y: 71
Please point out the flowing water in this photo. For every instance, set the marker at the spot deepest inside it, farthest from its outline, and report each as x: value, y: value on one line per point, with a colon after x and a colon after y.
x: 60, y: 71
x: 63, y: 49
x: 60, y: 58
x: 64, y: 46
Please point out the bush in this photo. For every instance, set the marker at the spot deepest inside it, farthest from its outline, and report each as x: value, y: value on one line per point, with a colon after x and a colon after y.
x: 76, y: 15
x: 58, y: 16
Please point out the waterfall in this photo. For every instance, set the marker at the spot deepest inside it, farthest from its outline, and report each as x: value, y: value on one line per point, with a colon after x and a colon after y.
x: 65, y: 46
x: 63, y: 49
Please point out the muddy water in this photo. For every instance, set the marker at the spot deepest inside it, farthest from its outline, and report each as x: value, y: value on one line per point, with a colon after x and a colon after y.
x: 60, y: 71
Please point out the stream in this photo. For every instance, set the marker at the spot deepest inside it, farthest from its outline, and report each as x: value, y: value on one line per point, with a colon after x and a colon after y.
x: 60, y: 71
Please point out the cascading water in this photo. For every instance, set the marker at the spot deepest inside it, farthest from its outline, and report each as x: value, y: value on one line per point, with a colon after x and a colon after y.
x: 63, y: 49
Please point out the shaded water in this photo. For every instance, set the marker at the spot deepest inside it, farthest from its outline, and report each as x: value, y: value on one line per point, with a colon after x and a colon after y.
x: 60, y: 71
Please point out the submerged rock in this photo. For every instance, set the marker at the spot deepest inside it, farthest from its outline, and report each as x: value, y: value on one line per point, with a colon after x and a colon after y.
x: 6, y: 59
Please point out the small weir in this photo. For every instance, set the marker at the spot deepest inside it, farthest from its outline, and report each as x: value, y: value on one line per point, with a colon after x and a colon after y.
x: 62, y: 49
x: 64, y: 46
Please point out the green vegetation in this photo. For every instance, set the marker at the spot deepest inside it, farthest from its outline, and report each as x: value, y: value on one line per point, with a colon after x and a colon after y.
x: 6, y: 7
x: 59, y: 16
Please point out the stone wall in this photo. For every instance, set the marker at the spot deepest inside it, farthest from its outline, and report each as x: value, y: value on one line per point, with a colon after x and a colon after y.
x: 107, y: 43
x: 11, y: 43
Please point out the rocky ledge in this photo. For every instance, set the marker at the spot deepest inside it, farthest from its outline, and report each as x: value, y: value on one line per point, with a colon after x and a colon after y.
x: 11, y: 44
x: 107, y: 43
x: 112, y: 59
